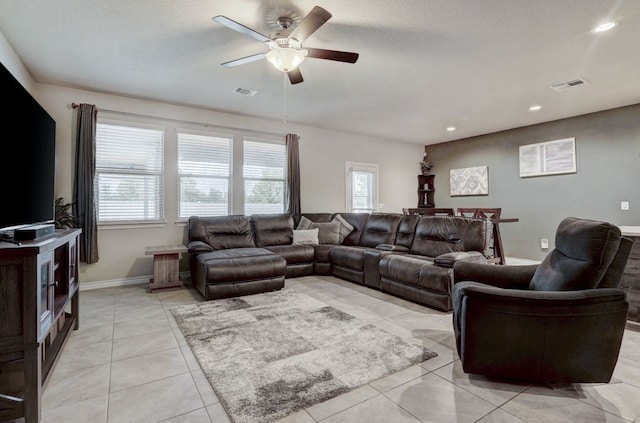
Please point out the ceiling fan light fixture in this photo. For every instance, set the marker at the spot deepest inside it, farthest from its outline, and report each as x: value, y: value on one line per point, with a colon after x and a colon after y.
x: 285, y: 59
x: 605, y: 26
x: 286, y: 52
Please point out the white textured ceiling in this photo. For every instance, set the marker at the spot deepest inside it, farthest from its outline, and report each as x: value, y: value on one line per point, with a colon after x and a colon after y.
x: 424, y: 64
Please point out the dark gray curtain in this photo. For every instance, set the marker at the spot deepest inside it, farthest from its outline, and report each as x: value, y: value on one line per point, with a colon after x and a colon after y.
x: 84, y: 205
x: 293, y: 174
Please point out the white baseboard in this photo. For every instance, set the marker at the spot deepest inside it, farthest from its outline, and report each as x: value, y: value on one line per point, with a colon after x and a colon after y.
x: 138, y: 280
x: 514, y: 261
x: 87, y: 286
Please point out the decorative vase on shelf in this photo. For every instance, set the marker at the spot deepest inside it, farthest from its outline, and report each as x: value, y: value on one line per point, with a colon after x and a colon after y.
x: 425, y: 165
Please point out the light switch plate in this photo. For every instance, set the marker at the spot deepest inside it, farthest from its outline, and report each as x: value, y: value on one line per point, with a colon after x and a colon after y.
x: 624, y: 205
x: 544, y: 243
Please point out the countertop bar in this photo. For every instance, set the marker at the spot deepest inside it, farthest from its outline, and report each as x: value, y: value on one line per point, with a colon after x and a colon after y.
x: 630, y: 230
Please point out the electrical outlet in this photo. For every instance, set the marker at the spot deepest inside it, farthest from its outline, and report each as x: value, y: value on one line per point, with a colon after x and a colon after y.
x: 624, y: 205
x: 381, y: 206
x: 544, y: 243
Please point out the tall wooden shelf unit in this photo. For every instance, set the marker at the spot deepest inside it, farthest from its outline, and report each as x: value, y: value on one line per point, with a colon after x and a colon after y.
x: 425, y: 191
x: 39, y: 307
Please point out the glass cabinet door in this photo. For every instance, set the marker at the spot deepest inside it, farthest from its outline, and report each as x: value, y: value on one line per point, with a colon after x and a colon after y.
x: 73, y: 261
x: 45, y: 291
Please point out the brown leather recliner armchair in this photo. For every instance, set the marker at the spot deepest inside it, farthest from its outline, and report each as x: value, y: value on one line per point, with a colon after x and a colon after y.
x: 558, y: 322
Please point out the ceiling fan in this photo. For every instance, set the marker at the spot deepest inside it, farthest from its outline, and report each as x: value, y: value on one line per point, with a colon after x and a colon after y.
x: 286, y: 51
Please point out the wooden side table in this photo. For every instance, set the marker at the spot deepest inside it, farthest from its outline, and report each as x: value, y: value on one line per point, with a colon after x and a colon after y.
x: 165, y: 266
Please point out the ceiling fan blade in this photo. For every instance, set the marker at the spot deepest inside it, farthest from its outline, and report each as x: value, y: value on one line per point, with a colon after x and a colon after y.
x: 338, y: 56
x: 229, y: 23
x: 310, y: 23
x: 295, y: 76
x: 244, y: 60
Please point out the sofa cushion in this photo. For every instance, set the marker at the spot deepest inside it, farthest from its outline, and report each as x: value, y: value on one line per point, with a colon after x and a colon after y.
x: 328, y: 233
x: 357, y: 220
x: 351, y: 257
x: 311, y: 217
x: 449, y: 259
x: 241, y: 264
x: 584, y: 250
x: 222, y: 232
x: 406, y: 230
x: 437, y: 235
x: 322, y: 252
x: 294, y: 254
x: 305, y: 237
x: 272, y: 229
x: 417, y: 271
x: 380, y: 229
x: 393, y: 248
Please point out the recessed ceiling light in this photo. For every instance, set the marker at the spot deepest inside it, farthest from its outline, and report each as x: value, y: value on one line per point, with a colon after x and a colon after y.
x: 451, y: 128
x: 535, y: 108
x: 605, y: 26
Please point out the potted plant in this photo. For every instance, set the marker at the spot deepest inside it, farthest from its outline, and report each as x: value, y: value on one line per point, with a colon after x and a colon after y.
x: 64, y: 219
x: 425, y: 165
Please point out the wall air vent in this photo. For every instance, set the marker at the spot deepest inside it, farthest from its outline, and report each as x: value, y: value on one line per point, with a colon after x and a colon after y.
x: 245, y: 91
x: 562, y: 86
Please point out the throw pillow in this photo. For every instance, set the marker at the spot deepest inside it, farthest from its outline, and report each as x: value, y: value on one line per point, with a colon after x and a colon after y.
x: 328, y: 233
x: 305, y: 237
x: 304, y: 223
x: 345, y: 227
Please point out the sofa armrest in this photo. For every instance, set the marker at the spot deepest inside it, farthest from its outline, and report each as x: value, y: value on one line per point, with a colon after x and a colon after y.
x: 557, y: 302
x: 494, y: 274
x: 196, y: 247
x: 449, y: 259
x: 392, y: 248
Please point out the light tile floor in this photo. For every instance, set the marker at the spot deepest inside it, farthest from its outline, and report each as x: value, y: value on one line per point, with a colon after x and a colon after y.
x: 128, y: 362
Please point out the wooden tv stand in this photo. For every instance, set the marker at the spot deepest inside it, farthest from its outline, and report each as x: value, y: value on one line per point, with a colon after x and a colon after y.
x: 38, y: 309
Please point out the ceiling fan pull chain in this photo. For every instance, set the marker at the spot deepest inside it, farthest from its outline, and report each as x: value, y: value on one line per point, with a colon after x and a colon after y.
x: 284, y: 84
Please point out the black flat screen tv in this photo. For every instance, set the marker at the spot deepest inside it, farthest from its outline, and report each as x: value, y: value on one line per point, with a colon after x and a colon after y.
x: 28, y: 157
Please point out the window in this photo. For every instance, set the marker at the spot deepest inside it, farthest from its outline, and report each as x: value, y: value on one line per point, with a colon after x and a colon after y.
x: 129, y: 172
x: 362, y: 187
x: 264, y: 172
x: 204, y: 165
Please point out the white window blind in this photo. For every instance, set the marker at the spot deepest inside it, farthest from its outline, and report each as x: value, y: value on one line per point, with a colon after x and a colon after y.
x: 362, y: 187
x: 264, y: 171
x: 129, y: 173
x: 204, y: 163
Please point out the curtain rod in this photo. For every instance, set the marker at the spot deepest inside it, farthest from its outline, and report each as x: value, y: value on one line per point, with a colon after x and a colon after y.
x: 208, y: 125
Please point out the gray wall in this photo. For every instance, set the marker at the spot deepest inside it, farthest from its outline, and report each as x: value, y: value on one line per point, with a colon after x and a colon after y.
x: 608, y: 165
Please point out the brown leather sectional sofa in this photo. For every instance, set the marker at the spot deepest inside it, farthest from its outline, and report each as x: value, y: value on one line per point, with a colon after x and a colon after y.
x: 409, y: 256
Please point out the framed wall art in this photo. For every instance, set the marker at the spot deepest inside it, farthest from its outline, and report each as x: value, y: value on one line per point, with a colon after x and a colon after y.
x: 548, y: 158
x: 469, y: 181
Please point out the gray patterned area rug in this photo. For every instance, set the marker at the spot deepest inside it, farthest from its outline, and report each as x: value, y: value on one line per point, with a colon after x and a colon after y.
x: 269, y: 355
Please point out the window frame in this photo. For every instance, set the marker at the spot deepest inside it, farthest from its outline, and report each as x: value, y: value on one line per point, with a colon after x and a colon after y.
x: 230, y: 176
x: 125, y: 223
x: 350, y: 168
x: 245, y: 179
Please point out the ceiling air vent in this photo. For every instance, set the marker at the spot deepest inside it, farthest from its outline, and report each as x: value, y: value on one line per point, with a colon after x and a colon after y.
x: 245, y: 91
x: 562, y: 86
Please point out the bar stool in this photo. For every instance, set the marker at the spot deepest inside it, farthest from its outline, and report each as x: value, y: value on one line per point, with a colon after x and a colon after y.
x: 466, y: 212
x: 433, y: 211
x: 492, y: 215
